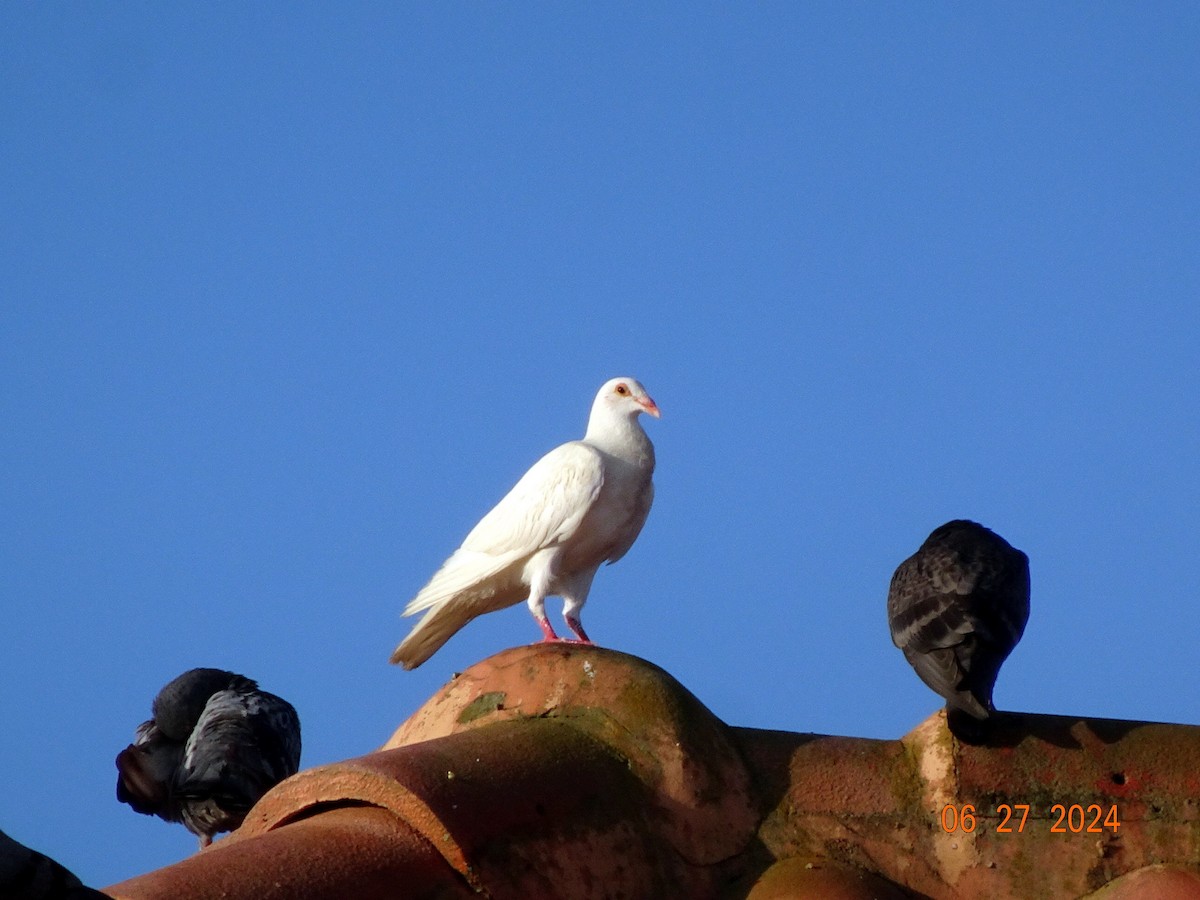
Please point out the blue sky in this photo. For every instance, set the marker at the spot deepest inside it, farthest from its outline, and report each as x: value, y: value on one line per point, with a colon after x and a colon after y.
x: 290, y: 296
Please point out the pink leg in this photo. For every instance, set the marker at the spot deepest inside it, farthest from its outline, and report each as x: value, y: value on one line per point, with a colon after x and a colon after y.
x: 576, y: 626
x: 548, y: 634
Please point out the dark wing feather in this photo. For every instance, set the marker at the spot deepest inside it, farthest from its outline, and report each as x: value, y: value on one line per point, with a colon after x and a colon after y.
x: 244, y: 744
x: 278, y: 728
x: 182, y: 700
x: 214, y: 747
x: 29, y: 875
x: 957, y: 607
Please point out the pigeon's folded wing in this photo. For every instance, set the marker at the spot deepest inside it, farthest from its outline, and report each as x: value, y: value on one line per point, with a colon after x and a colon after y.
x: 544, y: 509
x: 546, y: 506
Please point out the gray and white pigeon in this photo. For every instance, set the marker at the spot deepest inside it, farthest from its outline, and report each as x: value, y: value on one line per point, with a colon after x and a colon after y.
x: 581, y: 504
x: 957, y: 608
x: 215, y: 745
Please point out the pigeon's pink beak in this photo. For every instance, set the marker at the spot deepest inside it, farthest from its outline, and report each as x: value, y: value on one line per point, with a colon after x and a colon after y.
x: 650, y: 407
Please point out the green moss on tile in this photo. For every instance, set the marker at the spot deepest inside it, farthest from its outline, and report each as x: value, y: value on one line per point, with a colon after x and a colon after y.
x: 483, y: 705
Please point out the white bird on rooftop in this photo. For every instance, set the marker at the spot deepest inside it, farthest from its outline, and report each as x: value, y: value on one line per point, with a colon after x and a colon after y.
x: 582, y: 504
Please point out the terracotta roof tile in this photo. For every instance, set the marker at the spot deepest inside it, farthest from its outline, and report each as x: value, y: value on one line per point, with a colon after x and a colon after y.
x: 800, y: 879
x: 1152, y: 883
x: 349, y: 851
x: 702, y: 791
x: 576, y: 772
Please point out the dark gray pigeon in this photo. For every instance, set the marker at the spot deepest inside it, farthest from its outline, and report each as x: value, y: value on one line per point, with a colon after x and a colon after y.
x: 214, y: 746
x: 957, y: 607
x: 29, y: 875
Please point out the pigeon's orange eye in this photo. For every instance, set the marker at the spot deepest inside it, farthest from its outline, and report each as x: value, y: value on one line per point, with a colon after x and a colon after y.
x: 622, y: 390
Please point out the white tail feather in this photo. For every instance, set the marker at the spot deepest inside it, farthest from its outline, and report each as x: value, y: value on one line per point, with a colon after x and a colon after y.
x: 467, y: 585
x: 467, y: 574
x: 431, y: 633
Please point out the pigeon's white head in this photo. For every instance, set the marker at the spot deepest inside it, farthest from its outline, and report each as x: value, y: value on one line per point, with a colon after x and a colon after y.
x: 624, y: 398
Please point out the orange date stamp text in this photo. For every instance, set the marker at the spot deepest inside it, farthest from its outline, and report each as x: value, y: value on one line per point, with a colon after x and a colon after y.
x: 1012, y: 818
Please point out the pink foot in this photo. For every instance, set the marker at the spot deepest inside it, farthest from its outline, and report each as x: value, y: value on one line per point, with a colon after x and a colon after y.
x: 580, y: 635
x: 548, y: 634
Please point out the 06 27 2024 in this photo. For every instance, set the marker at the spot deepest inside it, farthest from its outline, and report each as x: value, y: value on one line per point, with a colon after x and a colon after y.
x: 1013, y: 818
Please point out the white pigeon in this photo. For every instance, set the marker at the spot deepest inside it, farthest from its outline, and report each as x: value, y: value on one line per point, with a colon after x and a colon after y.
x: 581, y: 504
